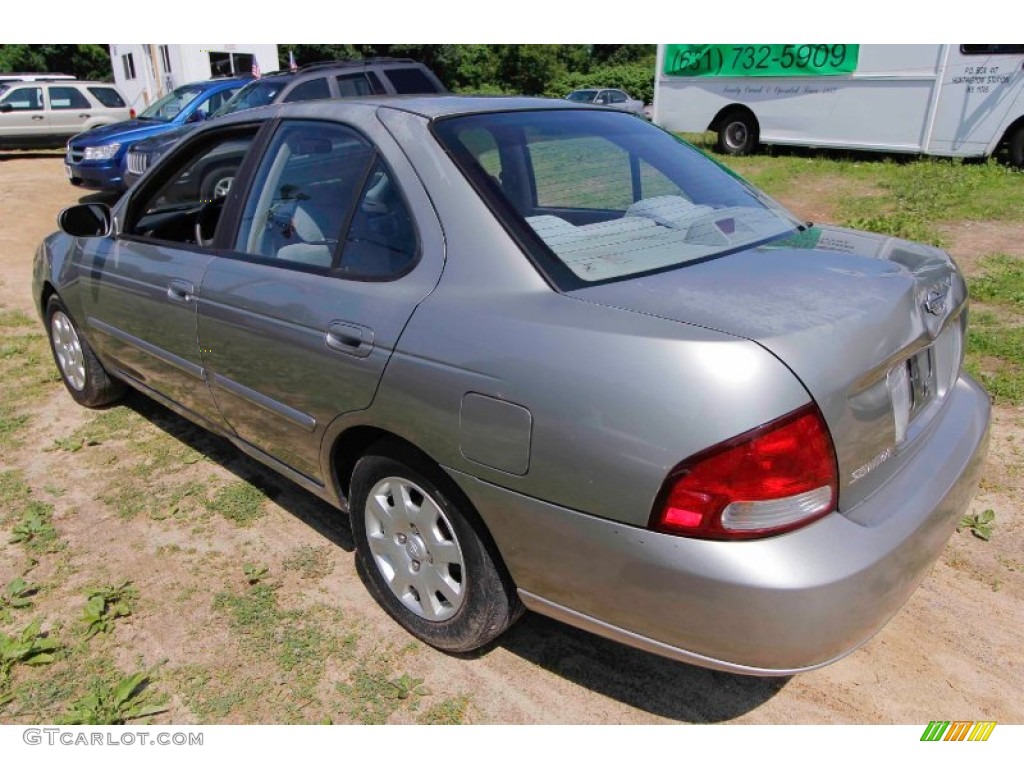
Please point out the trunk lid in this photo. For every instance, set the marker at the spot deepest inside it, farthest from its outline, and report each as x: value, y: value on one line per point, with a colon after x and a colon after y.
x: 871, y: 325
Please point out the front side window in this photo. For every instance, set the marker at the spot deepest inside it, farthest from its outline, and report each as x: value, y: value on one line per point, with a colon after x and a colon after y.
x: 599, y: 196
x: 24, y: 99
x: 184, y: 203
x: 67, y: 98
x: 258, y: 93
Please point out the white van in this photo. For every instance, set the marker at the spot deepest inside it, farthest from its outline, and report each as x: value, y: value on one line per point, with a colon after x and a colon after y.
x: 950, y: 100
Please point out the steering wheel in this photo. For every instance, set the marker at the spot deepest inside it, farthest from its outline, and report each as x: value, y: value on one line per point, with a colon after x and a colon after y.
x: 206, y: 220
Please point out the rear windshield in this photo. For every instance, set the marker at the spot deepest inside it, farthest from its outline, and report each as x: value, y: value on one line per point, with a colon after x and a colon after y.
x: 595, y: 196
x: 108, y: 97
x: 170, y: 106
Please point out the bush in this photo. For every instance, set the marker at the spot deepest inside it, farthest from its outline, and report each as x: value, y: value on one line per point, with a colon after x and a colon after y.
x: 636, y: 79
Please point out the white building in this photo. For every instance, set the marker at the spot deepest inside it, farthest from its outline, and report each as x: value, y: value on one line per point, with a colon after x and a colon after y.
x: 145, y: 72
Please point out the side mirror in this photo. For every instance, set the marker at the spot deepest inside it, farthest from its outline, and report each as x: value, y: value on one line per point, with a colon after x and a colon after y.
x: 6, y: 107
x: 87, y: 220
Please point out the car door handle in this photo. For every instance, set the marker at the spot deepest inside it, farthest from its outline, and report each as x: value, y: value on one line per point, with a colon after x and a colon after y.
x: 37, y: 117
x: 349, y: 338
x: 85, y: 115
x: 181, y: 291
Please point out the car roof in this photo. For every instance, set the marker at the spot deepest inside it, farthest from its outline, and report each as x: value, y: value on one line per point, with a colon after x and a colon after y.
x: 431, y: 106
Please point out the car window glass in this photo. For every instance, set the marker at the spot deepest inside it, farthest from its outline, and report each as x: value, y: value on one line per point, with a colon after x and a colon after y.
x: 108, y: 97
x: 67, y: 98
x: 192, y: 192
x: 378, y: 86
x: 305, y: 188
x: 600, y: 177
x: 310, y: 91
x: 215, y: 101
x: 616, y: 97
x: 167, y: 108
x: 25, y: 99
x: 354, y: 85
x: 410, y: 80
x: 381, y: 240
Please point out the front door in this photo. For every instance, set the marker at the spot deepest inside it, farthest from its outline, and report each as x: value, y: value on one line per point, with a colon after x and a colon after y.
x: 141, y: 290
x: 335, y: 246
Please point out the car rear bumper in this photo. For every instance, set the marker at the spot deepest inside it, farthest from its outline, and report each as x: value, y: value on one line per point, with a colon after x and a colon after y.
x: 769, y: 607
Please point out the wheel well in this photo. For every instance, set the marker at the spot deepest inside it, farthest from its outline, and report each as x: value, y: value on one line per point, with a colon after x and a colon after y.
x: 48, y: 291
x: 351, y: 445
x: 1011, y: 129
x: 724, y: 112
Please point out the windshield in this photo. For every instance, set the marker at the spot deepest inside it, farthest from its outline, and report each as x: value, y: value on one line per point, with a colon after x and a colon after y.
x: 584, y: 96
x: 258, y: 93
x: 598, y: 196
x: 170, y: 106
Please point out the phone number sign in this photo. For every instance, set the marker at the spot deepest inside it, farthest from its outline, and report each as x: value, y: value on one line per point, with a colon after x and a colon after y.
x: 812, y: 59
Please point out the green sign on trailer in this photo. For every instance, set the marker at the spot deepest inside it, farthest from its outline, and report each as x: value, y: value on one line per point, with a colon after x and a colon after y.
x: 797, y: 60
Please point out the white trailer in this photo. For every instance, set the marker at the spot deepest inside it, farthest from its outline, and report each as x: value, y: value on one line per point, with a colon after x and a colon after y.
x: 144, y: 72
x: 949, y: 100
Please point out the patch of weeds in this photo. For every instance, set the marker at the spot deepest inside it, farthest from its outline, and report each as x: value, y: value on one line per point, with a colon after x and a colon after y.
x: 980, y: 524
x: 14, y: 491
x: 114, y: 423
x: 17, y: 594
x: 373, y: 695
x: 217, y: 695
x: 35, y: 530
x: 1002, y: 281
x: 11, y: 422
x: 106, y: 605
x: 240, y: 502
x: 255, y: 573
x: 15, y: 318
x: 129, y: 698
x: 72, y: 444
x: 451, y: 711
x: 311, y: 562
x: 995, y: 355
x: 159, y: 502
x: 27, y: 647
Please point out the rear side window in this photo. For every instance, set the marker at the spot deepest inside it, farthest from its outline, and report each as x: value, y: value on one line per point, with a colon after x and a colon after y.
x: 354, y: 85
x: 411, y: 80
x: 310, y: 91
x: 62, y: 97
x: 108, y: 97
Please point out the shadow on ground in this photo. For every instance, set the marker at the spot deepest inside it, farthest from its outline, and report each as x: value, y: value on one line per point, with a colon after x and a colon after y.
x: 319, y: 515
x: 650, y: 683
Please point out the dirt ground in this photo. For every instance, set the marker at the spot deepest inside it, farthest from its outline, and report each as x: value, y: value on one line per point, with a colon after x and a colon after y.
x: 953, y: 652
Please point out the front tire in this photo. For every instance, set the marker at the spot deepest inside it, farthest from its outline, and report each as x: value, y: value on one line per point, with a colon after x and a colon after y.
x: 81, y: 371
x: 217, y: 183
x: 426, y: 556
x: 738, y: 133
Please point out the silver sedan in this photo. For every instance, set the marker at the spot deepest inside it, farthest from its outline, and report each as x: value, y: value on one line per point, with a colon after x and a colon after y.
x: 549, y: 357
x: 609, y: 97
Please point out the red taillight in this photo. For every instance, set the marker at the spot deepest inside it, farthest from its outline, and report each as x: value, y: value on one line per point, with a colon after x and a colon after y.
x: 772, y: 479
x: 131, y: 113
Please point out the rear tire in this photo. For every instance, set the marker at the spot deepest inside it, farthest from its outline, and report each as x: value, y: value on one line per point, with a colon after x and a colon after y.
x: 425, y: 555
x: 81, y: 371
x: 737, y: 133
x: 1017, y: 147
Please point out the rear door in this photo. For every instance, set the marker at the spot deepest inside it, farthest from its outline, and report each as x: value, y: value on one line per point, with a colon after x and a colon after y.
x: 335, y: 246
x: 69, y: 110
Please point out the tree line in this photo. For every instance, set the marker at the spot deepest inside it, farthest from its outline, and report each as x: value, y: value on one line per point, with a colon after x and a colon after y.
x: 536, y: 70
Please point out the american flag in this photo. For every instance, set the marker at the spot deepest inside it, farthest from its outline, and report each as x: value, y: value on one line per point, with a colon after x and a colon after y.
x: 255, y: 69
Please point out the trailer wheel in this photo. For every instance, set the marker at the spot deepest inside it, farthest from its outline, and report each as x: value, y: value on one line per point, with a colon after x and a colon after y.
x: 737, y: 133
x: 1017, y: 147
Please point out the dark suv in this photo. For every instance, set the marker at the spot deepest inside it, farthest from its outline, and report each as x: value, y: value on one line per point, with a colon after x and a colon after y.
x: 323, y: 80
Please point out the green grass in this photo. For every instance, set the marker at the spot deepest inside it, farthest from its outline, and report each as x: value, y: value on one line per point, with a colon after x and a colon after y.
x: 27, y: 374
x: 311, y: 562
x: 995, y: 342
x: 240, y: 502
x: 451, y: 711
x: 1002, y: 281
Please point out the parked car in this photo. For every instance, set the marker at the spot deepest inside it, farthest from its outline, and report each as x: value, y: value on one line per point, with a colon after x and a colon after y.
x: 323, y: 80
x: 609, y: 97
x: 94, y: 159
x: 546, y: 356
x: 40, y: 114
